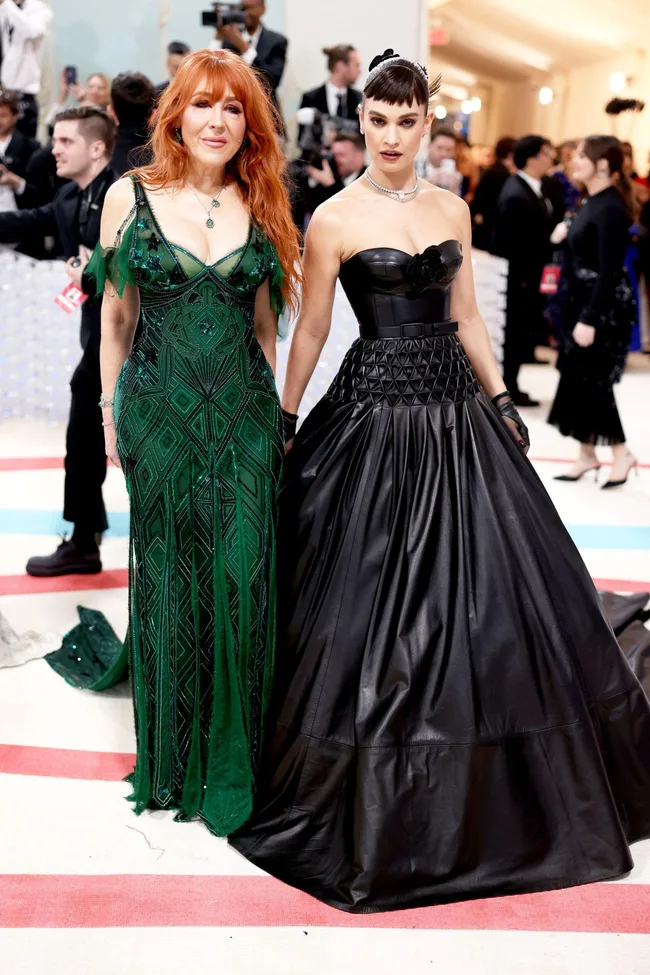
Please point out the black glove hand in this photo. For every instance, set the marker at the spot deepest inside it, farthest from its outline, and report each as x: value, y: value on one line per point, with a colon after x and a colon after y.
x: 289, y: 424
x: 506, y: 408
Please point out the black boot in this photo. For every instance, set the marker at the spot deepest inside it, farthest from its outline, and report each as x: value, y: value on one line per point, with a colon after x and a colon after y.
x: 69, y: 559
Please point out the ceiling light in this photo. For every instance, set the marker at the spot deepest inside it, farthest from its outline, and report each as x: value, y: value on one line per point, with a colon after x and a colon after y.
x: 477, y: 104
x: 545, y: 96
x: 440, y: 111
x: 617, y: 81
x: 467, y: 106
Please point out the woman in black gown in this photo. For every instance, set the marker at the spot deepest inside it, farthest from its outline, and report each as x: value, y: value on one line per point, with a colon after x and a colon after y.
x: 599, y: 309
x: 453, y: 717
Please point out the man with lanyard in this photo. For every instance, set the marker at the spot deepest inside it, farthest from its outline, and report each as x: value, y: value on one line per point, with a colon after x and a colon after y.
x: 23, y: 26
x: 82, y: 144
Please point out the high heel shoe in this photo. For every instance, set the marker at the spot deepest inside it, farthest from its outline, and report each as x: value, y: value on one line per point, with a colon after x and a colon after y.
x: 634, y: 466
x: 568, y: 477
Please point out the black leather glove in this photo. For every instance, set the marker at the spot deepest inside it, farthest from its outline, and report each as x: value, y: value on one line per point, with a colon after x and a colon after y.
x: 506, y: 407
x: 289, y: 424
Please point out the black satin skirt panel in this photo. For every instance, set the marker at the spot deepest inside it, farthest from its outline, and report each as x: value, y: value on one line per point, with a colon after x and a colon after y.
x: 453, y: 717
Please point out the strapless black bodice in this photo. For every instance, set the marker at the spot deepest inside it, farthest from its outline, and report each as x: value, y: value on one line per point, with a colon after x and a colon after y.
x: 389, y: 288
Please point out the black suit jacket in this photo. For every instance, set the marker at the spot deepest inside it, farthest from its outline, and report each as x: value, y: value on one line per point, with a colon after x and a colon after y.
x: 270, y: 60
x: 483, y: 207
x: 129, y: 151
x: 317, y: 98
x: 523, y: 226
x: 62, y: 216
x: 16, y: 158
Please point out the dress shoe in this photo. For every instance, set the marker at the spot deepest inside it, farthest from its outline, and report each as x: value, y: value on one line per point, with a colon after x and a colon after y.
x: 632, y: 465
x: 523, y: 399
x: 67, y: 560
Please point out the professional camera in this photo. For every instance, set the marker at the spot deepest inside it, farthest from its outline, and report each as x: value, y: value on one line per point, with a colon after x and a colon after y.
x: 223, y: 15
x: 316, y: 133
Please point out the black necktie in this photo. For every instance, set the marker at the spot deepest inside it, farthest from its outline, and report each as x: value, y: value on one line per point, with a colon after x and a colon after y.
x: 341, y: 110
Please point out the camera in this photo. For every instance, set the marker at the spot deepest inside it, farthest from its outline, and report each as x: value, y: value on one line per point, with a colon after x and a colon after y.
x: 223, y: 15
x: 317, y: 132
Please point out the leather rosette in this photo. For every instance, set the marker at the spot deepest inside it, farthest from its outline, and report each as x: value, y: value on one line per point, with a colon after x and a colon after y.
x: 426, y: 268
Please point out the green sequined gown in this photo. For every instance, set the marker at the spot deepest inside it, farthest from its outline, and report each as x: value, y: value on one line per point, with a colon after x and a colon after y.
x: 199, y: 436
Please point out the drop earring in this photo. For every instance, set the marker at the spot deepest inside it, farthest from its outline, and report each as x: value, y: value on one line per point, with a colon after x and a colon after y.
x: 178, y: 136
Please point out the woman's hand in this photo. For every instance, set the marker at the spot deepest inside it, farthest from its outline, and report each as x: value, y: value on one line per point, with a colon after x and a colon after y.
x: 513, y: 421
x: 584, y: 335
x: 110, y: 441
x: 77, y: 91
x: 559, y: 234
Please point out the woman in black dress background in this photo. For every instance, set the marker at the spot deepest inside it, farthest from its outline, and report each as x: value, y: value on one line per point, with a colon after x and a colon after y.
x: 452, y: 716
x: 599, y: 311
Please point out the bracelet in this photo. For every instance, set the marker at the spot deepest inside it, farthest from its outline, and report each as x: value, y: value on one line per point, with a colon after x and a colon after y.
x: 106, y: 401
x: 289, y: 424
x: 111, y: 423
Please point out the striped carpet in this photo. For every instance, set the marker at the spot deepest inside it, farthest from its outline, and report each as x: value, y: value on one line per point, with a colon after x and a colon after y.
x: 86, y: 888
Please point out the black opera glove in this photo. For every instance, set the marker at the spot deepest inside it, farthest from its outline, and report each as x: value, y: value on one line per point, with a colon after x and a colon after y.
x: 506, y: 407
x: 289, y: 424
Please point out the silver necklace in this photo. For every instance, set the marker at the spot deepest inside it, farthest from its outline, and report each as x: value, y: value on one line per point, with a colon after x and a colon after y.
x: 402, y: 196
x: 213, y: 206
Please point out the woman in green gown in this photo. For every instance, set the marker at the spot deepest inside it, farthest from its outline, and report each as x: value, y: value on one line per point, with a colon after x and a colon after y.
x: 200, y: 246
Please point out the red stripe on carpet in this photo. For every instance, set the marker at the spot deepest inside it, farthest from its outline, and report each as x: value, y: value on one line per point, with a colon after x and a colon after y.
x: 30, y: 463
x: 32, y: 901
x: 23, y: 585
x: 571, y: 460
x: 65, y: 763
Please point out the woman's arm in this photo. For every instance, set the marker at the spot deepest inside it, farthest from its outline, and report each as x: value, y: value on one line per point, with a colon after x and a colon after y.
x: 471, y: 327
x: 119, y: 314
x: 266, y: 324
x: 322, y: 260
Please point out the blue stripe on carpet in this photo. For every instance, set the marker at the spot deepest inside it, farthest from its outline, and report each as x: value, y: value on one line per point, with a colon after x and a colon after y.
x: 21, y: 521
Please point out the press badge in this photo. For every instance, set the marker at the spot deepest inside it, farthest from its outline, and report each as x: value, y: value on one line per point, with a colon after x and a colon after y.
x: 70, y: 298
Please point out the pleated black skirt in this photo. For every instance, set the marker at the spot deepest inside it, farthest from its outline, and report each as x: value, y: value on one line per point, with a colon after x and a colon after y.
x: 453, y: 717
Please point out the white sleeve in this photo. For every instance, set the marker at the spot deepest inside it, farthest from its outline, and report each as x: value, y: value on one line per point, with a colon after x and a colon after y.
x: 53, y: 112
x: 31, y: 23
x: 249, y: 55
x: 215, y: 44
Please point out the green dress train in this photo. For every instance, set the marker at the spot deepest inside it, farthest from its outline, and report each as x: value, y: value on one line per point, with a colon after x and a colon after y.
x: 199, y: 436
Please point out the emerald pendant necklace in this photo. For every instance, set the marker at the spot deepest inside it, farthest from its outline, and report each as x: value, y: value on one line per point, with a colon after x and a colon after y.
x: 213, y: 206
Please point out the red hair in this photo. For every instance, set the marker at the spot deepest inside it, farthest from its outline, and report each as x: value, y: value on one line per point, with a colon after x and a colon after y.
x: 259, y: 168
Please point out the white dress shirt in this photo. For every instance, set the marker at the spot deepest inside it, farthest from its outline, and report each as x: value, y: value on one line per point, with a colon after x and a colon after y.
x: 535, y: 184
x: 333, y: 98
x: 23, y: 31
x: 253, y: 39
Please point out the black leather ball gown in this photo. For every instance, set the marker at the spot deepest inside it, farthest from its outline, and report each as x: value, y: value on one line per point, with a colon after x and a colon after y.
x: 453, y: 717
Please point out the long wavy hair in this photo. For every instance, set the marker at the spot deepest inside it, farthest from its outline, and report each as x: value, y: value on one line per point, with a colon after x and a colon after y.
x: 597, y: 147
x: 259, y: 168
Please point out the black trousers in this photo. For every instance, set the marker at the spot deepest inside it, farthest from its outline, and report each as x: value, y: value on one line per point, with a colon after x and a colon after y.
x: 85, y: 456
x: 524, y: 318
x: 28, y: 121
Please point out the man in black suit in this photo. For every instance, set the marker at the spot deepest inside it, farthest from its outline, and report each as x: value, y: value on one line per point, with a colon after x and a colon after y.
x: 177, y: 51
x: 522, y: 233
x: 82, y: 143
x: 263, y: 49
x: 133, y: 98
x: 314, y: 186
x: 337, y: 98
x: 16, y: 150
x: 483, y: 207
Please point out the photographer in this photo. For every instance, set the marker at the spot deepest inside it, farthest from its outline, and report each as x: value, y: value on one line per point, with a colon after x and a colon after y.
x: 82, y: 145
x: 313, y: 186
x: 337, y: 98
x: 263, y: 49
x: 16, y: 150
x: 23, y: 26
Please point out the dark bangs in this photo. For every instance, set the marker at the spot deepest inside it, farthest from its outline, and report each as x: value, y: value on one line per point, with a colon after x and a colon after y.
x: 401, y: 84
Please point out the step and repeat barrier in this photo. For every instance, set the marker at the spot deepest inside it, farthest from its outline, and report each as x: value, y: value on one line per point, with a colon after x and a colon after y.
x: 39, y: 342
